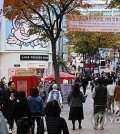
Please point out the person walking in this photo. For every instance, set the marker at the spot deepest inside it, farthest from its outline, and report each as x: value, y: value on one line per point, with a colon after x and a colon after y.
x: 1, y: 92
x: 36, y: 107
x: 41, y: 90
x: 100, y: 102
x: 21, y: 107
x: 10, y: 95
x: 54, y: 123
x: 75, y: 100
x: 84, y: 83
x: 24, y: 126
x: 55, y: 94
x: 51, y: 84
x: 111, y: 89
x: 3, y: 124
x: 117, y: 96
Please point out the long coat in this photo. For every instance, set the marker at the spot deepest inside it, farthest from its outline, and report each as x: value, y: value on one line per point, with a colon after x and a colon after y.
x: 117, y: 93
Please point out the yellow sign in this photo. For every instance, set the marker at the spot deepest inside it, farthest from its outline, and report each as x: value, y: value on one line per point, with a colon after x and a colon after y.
x: 24, y: 72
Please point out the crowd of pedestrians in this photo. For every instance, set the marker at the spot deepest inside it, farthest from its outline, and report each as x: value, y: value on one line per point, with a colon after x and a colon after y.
x: 44, y: 108
x: 24, y: 111
x: 105, y: 90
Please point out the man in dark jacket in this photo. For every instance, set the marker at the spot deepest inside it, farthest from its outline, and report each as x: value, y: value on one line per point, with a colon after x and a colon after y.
x: 100, y: 101
x: 9, y: 97
x: 84, y: 83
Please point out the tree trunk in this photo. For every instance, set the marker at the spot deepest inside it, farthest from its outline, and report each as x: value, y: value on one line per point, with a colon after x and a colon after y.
x: 55, y: 64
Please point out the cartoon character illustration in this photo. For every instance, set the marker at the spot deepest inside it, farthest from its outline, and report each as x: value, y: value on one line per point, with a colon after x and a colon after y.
x: 21, y: 35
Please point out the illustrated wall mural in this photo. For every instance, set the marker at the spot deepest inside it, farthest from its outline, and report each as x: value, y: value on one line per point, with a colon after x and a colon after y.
x: 19, y: 36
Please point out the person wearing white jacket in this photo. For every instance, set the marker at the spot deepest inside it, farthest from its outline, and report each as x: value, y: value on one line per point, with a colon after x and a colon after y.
x: 111, y: 90
x: 55, y: 94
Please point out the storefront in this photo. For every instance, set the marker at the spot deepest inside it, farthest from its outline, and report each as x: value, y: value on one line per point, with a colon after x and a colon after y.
x: 17, y: 64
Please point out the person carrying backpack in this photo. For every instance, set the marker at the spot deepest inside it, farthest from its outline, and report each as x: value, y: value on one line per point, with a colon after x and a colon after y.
x: 55, y: 94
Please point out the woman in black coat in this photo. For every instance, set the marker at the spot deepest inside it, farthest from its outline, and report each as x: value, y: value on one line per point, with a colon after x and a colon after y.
x: 75, y: 100
x: 21, y: 107
x: 54, y: 123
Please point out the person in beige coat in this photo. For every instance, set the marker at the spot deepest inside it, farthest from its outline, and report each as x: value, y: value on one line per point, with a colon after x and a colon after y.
x: 117, y: 96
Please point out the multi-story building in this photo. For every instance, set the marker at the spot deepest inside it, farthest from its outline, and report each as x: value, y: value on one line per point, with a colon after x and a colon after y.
x: 21, y: 51
x: 99, y: 7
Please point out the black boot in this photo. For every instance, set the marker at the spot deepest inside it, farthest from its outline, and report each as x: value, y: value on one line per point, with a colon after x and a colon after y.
x: 80, y: 126
x: 74, y: 127
x: 73, y: 122
x: 79, y: 121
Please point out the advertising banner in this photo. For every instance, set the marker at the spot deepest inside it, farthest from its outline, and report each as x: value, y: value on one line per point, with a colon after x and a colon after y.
x: 92, y: 23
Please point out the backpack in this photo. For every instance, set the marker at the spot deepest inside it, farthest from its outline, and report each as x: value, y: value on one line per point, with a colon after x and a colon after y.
x: 55, y: 96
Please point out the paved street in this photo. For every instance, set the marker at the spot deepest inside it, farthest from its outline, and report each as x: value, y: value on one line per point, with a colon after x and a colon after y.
x: 87, y: 124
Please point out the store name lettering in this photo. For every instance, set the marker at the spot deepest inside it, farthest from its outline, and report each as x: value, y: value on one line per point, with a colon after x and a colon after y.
x: 34, y: 57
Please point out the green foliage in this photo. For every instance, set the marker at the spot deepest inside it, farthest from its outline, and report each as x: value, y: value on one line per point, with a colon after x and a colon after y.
x: 114, y: 4
x: 88, y: 43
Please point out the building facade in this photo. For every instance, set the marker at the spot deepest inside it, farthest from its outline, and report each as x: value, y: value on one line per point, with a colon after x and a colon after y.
x: 21, y: 51
x: 99, y: 7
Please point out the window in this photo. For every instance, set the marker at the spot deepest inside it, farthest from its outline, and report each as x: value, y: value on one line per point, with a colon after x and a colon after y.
x: 107, y: 12
x: 101, y: 6
x: 116, y: 13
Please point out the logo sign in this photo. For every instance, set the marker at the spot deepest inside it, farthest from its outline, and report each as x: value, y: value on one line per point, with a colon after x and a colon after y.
x: 103, y: 119
x: 34, y: 57
x: 99, y: 119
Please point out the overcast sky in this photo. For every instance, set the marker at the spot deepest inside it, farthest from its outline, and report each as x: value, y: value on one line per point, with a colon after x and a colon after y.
x: 1, y: 1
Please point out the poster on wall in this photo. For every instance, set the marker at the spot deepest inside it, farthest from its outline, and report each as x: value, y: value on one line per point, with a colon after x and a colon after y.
x: 22, y: 85
x: 65, y: 88
x: 19, y: 36
x: 12, y: 71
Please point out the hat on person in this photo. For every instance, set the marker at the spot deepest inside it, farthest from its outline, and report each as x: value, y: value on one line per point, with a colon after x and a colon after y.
x: 54, y: 86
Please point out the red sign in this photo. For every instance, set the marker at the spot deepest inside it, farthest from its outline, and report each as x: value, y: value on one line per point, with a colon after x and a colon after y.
x: 92, y: 65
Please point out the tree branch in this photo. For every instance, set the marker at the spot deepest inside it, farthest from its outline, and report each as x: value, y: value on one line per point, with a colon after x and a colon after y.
x: 35, y: 11
x: 39, y: 26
